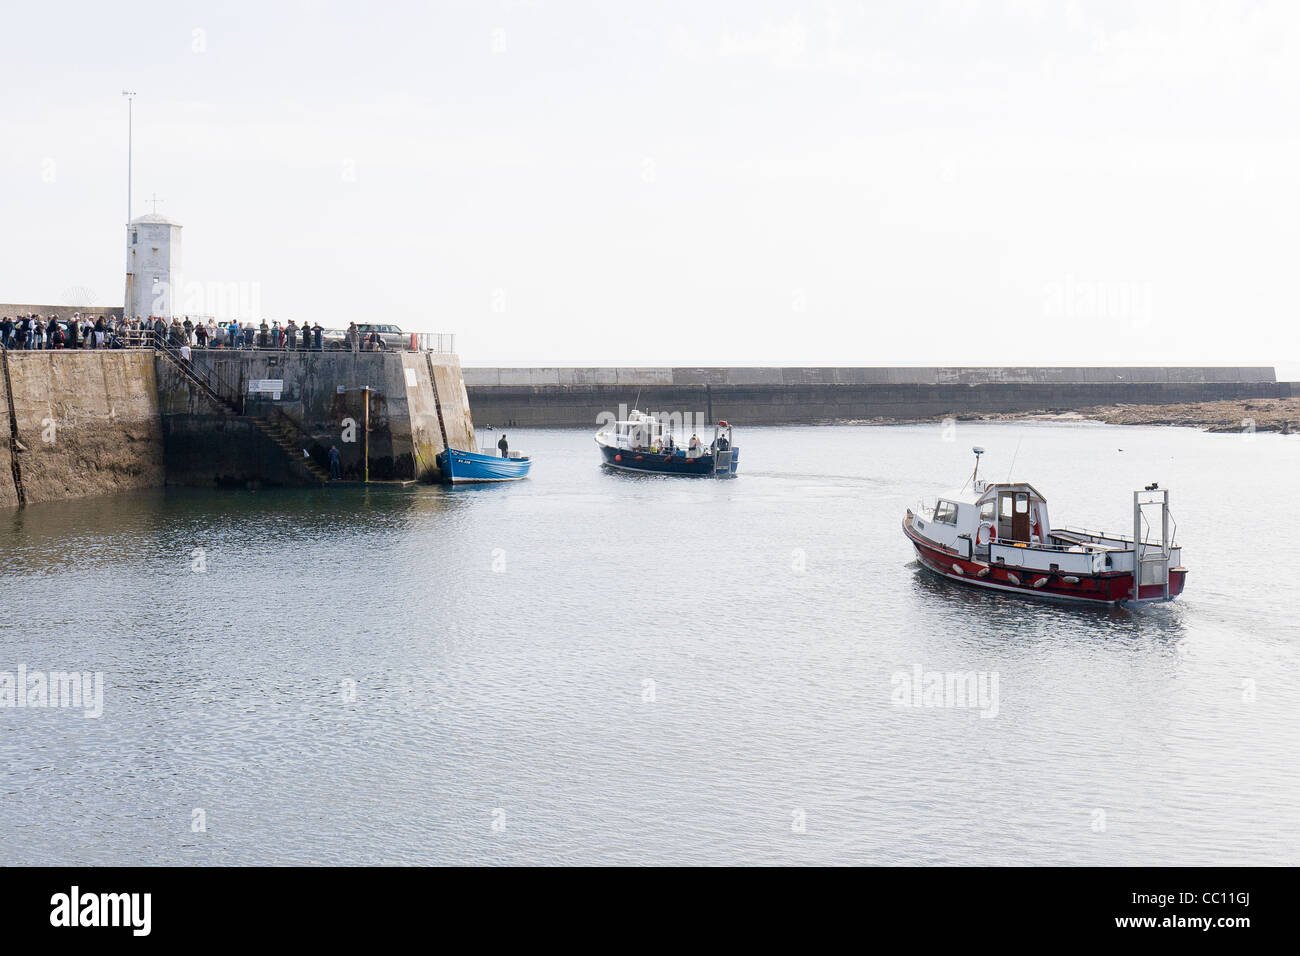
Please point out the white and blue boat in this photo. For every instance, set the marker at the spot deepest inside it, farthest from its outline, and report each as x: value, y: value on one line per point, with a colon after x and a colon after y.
x: 644, y: 444
x: 463, y: 467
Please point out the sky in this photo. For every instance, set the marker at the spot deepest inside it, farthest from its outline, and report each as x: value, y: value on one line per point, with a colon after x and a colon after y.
x: 681, y: 183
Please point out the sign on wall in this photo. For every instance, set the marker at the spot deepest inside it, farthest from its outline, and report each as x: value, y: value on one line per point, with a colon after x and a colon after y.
x: 264, y: 385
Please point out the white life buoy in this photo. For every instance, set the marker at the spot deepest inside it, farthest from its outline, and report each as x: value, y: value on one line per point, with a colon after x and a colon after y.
x: 985, y: 534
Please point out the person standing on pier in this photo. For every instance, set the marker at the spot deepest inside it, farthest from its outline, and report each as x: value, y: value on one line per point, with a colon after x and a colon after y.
x: 291, y: 335
x: 334, y: 464
x: 354, y: 338
x: 318, y: 337
x: 306, y: 337
x: 263, y: 335
x: 504, y: 446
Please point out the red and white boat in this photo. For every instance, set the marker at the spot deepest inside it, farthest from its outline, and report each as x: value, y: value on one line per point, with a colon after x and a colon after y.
x: 997, y: 535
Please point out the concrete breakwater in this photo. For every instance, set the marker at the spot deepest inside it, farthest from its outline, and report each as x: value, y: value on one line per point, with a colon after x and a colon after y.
x: 80, y: 423
x: 793, y: 396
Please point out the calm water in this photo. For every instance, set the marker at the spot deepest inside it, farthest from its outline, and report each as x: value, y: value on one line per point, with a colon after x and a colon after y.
x: 591, y: 668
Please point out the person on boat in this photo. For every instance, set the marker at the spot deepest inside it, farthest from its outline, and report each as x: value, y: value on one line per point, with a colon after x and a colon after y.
x: 723, y: 444
x: 694, y: 446
x: 504, y: 446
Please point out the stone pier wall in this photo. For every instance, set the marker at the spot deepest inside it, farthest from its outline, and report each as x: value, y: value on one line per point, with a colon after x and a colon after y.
x: 322, y: 392
x: 88, y: 424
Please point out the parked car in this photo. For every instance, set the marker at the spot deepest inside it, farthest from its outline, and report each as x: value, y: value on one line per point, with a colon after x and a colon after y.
x: 394, y: 339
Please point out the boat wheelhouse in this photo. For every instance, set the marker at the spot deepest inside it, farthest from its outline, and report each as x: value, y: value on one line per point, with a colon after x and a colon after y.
x: 998, y: 535
x: 643, y: 443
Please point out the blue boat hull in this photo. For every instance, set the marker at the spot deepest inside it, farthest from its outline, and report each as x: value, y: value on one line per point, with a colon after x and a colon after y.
x: 662, y: 464
x: 463, y: 467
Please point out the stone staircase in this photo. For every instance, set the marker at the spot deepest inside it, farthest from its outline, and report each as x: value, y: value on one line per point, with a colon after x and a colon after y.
x: 279, y: 429
x: 289, y: 439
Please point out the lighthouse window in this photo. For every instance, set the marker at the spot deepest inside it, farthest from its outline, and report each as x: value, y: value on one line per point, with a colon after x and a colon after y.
x: 945, y: 512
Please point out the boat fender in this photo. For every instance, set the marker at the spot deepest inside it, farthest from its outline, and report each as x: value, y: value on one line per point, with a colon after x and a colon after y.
x: 1014, y: 579
x: 1040, y: 582
x: 957, y: 567
x: 618, y: 457
x: 982, y: 572
x: 690, y: 461
x: 1070, y: 579
x: 640, y: 457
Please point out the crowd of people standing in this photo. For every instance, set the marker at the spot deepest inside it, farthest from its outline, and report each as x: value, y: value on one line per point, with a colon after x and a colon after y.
x: 34, y: 332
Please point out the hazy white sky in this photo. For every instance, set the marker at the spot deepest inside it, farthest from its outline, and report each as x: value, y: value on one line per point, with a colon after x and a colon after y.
x: 684, y: 183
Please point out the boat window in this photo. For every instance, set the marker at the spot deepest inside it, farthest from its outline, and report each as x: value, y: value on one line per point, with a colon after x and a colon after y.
x: 988, y: 511
x: 1022, y: 503
x: 1006, y: 506
x: 945, y: 512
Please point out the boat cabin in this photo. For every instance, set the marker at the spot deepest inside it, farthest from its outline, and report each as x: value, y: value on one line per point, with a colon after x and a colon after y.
x: 1001, y: 511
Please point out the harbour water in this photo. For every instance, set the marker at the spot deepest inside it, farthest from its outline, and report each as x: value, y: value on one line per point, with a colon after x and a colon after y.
x: 595, y: 668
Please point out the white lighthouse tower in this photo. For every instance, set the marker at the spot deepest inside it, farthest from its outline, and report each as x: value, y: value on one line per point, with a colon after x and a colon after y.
x: 153, y: 265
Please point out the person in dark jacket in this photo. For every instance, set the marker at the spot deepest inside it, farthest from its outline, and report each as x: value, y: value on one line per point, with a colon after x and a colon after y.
x: 334, y: 464
x: 306, y: 337
x: 318, y: 337
x: 504, y: 446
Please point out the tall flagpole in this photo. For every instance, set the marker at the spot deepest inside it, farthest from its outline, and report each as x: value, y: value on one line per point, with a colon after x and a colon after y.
x: 130, y: 263
x: 130, y: 103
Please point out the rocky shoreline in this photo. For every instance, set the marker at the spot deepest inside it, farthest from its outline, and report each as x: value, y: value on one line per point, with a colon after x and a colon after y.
x: 1281, y: 415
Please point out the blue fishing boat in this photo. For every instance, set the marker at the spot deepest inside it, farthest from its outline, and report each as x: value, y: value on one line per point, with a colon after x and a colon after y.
x: 643, y: 444
x: 463, y: 467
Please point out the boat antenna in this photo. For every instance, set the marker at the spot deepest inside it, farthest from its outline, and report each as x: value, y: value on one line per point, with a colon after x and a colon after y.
x: 971, y: 480
x: 1013, y: 457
